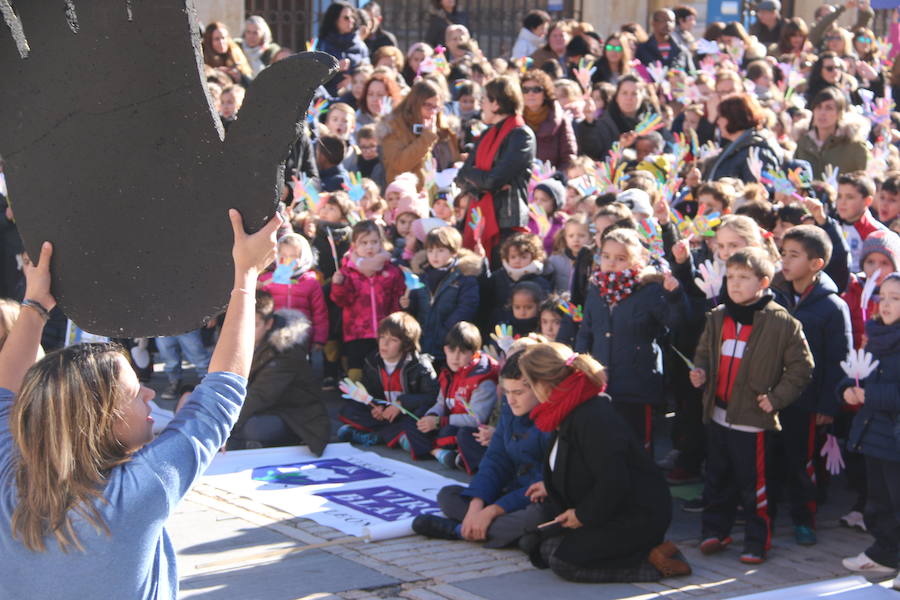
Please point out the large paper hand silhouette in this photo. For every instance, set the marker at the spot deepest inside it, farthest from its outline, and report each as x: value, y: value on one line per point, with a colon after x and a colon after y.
x: 114, y: 154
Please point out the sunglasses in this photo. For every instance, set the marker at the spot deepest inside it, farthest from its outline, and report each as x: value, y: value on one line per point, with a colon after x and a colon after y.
x: 611, y: 48
x: 833, y: 38
x: 864, y: 40
x: 532, y: 90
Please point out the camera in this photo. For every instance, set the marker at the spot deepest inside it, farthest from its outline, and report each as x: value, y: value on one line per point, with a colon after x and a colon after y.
x: 417, y: 128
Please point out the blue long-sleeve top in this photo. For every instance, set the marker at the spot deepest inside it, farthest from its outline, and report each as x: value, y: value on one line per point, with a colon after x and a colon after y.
x: 137, y: 560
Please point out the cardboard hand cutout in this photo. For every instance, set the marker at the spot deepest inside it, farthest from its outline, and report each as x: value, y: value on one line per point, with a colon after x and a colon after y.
x: 114, y: 154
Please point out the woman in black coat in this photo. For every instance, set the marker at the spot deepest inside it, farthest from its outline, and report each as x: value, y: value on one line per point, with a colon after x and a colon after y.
x: 628, y: 105
x: 499, y: 167
x: 615, y: 505
x: 741, y: 124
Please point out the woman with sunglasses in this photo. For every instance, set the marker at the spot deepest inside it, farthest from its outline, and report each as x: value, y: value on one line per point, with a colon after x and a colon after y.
x: 867, y: 67
x: 547, y: 119
x: 830, y: 70
x: 339, y: 37
x: 615, y: 60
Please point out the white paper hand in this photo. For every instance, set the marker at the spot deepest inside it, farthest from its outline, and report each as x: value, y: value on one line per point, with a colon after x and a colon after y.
x: 868, y: 290
x: 754, y: 163
x: 355, y: 391
x: 859, y: 364
x: 503, y: 337
x: 834, y: 462
x: 710, y: 280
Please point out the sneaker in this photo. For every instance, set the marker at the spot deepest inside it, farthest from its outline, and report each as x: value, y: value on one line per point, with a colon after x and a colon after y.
x: 171, y: 391
x: 861, y: 563
x: 680, y: 476
x: 667, y: 463
x: 403, y: 442
x: 329, y: 384
x: 853, y: 519
x: 364, y: 438
x: 345, y: 433
x: 752, y: 558
x: 804, y: 535
x: 446, y: 457
x: 693, y: 506
x: 714, y: 545
x: 434, y: 526
x: 896, y: 583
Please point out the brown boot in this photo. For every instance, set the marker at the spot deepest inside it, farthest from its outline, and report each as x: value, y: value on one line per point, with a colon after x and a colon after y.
x: 664, y: 558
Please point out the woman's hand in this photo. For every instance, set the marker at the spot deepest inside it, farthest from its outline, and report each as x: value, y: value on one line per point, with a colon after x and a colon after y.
x: 478, y: 519
x: 568, y: 519
x: 252, y: 253
x: 537, y: 492
x: 37, y: 278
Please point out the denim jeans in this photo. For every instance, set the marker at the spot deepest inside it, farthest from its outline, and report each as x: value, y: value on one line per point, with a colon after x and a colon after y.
x: 188, y: 345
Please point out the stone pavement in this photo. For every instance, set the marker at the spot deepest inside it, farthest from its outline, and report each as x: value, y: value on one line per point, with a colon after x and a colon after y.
x: 233, y: 549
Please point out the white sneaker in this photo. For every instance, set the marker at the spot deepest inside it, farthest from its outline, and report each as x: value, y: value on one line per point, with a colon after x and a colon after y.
x: 855, y: 519
x: 896, y: 583
x: 863, y: 564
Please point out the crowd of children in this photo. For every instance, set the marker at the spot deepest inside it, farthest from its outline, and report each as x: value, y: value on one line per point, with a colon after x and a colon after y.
x: 686, y: 239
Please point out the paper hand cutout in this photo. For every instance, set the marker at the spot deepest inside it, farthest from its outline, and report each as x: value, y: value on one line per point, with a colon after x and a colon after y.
x: 386, y: 106
x: 754, y: 163
x: 284, y: 272
x: 138, y: 99
x: 868, y: 291
x: 411, y: 280
x: 355, y: 190
x: 831, y: 173
x: 537, y: 212
x: 573, y: 310
x: 859, y: 364
x: 503, y: 337
x: 476, y: 222
x: 711, y: 277
x: 355, y: 391
x: 306, y: 190
x: 834, y: 462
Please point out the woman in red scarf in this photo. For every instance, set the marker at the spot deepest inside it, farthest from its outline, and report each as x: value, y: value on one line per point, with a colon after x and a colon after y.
x: 615, y: 503
x: 498, y: 170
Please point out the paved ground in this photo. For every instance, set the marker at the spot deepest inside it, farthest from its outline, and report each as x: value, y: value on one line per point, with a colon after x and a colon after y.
x: 234, y: 549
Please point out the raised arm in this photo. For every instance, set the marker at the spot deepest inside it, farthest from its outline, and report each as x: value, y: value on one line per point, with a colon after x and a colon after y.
x: 22, y: 344
x: 251, y: 253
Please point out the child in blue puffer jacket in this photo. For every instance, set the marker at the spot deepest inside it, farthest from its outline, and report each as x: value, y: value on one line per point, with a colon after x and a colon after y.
x: 876, y: 434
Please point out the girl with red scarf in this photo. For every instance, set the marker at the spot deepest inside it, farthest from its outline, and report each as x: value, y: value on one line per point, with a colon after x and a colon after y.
x: 615, y: 505
x: 627, y: 309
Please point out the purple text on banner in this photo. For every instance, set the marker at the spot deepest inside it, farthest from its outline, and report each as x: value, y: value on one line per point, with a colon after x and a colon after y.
x: 316, y: 472
x: 384, y: 502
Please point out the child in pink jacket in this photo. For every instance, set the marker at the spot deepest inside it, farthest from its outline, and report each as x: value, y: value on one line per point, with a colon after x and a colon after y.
x: 294, y: 284
x: 368, y: 288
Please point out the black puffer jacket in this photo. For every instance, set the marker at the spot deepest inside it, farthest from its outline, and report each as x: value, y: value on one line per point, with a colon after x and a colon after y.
x: 508, y: 178
x: 417, y: 378
x: 282, y: 383
x: 733, y: 160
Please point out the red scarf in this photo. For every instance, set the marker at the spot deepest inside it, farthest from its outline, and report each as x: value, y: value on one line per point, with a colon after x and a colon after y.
x: 484, y: 161
x: 616, y: 286
x: 574, y: 390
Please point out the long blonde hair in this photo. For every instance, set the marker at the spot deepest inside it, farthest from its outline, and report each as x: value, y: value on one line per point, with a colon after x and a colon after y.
x: 9, y: 312
x: 62, y: 424
x: 548, y: 363
x: 752, y: 234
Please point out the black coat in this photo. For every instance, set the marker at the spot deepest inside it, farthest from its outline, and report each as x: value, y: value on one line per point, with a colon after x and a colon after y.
x: 281, y: 382
x: 733, y: 161
x: 439, y: 21
x: 603, y: 472
x: 512, y: 167
x: 496, y: 293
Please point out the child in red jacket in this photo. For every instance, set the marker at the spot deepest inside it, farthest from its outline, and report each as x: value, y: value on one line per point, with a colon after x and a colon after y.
x: 368, y: 288
x: 294, y: 284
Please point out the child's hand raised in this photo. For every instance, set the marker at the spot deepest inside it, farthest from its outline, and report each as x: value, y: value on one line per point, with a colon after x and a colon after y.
x: 337, y: 278
x: 698, y: 377
x: 37, y: 278
x: 765, y: 403
x: 670, y: 283
x: 682, y: 250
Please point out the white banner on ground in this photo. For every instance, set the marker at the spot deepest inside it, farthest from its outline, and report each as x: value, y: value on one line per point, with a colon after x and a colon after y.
x: 359, y: 493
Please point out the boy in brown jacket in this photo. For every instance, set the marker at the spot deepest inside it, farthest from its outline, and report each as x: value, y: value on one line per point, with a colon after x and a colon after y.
x: 754, y: 361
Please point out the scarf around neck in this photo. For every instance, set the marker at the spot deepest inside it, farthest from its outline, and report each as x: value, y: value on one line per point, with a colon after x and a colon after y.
x: 534, y: 118
x: 535, y: 267
x: 616, y: 286
x: 744, y: 314
x: 882, y: 339
x: 566, y: 397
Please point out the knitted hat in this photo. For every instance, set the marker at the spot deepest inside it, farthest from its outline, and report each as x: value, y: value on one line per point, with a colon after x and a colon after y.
x: 885, y: 242
x: 555, y: 189
x: 417, y: 205
x: 637, y: 200
x: 404, y: 184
